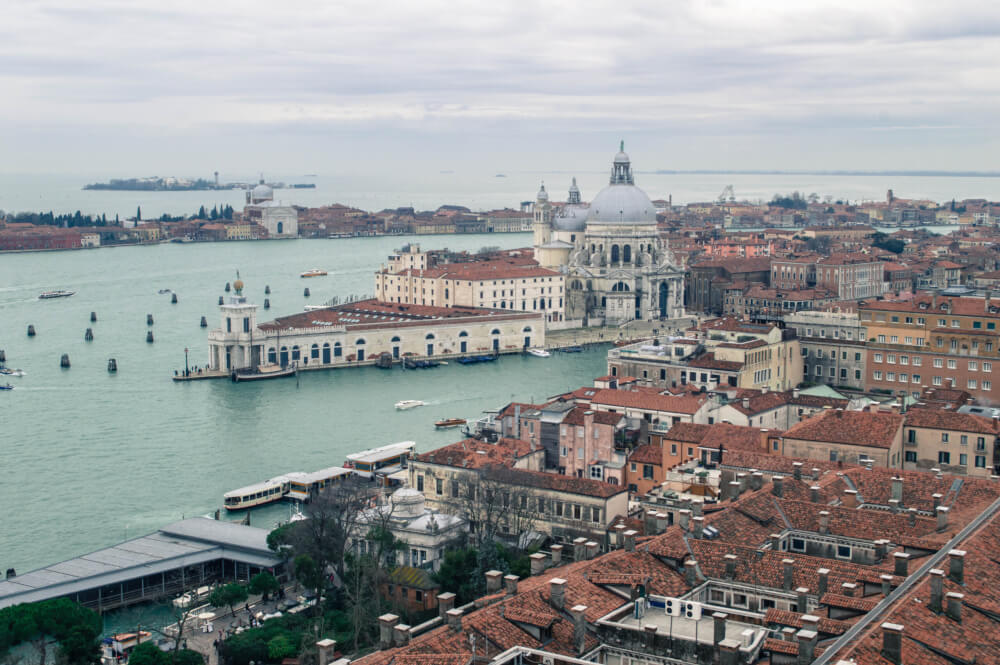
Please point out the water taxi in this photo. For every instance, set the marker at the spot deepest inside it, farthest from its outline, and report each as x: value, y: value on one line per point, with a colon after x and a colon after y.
x: 259, y: 494
x: 315, y: 272
x: 55, y: 294
x: 449, y: 423
x: 6, y: 387
x: 408, y: 404
x: 11, y: 372
x: 539, y: 353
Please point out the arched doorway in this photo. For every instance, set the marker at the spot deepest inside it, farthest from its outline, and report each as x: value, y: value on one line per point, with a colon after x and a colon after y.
x: 326, y: 352
x: 463, y: 343
x: 496, y: 339
x: 430, y: 343
x: 284, y: 356
x: 281, y: 228
x: 395, y: 347
x: 527, y: 336
x: 664, y: 295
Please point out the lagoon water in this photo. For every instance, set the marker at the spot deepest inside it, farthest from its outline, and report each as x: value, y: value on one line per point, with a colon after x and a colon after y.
x: 89, y: 458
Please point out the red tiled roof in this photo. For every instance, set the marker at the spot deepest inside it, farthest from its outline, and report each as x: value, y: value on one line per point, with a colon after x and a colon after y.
x: 858, y: 428
x: 578, y: 416
x: 647, y: 454
x: 634, y: 399
x: 475, y: 454
x: 950, y: 420
x: 556, y: 482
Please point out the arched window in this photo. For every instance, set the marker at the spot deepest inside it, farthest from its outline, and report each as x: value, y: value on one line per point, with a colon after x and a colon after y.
x: 463, y: 334
x: 620, y: 286
x: 295, y: 353
x: 429, y: 336
x: 526, y: 329
x: 396, y: 338
x: 314, y: 351
x: 272, y: 356
x: 627, y: 254
x: 326, y: 352
x: 615, y: 254
x: 338, y: 350
x: 360, y: 342
x: 495, y: 331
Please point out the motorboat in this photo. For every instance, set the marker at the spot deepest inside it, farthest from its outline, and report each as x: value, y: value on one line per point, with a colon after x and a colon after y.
x: 6, y: 387
x: 572, y: 349
x: 11, y: 372
x: 408, y: 404
x: 448, y: 423
x: 315, y: 272
x: 184, y: 601
x: 55, y: 294
x: 262, y: 372
x: 539, y: 353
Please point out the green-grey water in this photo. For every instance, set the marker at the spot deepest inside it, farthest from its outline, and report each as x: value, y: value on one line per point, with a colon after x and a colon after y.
x: 90, y: 458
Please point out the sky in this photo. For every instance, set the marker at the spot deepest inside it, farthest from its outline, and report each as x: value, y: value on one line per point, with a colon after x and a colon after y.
x: 131, y: 87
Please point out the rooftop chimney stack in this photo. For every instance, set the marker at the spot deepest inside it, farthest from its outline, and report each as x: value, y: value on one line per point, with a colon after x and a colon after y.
x: 824, y: 581
x: 619, y: 539
x: 661, y: 522
x: 892, y: 643
x: 691, y: 572
x: 897, y: 489
x: 580, y: 544
x: 815, y: 473
x: 802, y: 599
x: 807, y: 645
x: 797, y: 470
x: 556, y: 555
x: 734, y: 490
x: 937, y: 591
x: 814, y: 493
x: 902, y: 563
x: 756, y: 480
x: 591, y: 548
x: 493, y: 581
x: 848, y: 589
x: 386, y: 623
x: 401, y: 632
x: 630, y: 540
x: 557, y: 592
x: 731, y: 560
x: 455, y: 619
x: 956, y: 566
x: 743, y: 479
x: 718, y: 627
x: 537, y: 563
x: 775, y: 542
x: 936, y: 499
x: 699, y: 525
x: 942, y: 517
x: 912, y: 514
x: 850, y: 499
x: 824, y: 522
x: 684, y: 519
x: 788, y: 568
x: 579, y: 613
x: 954, y: 610
x: 886, y: 583
x: 446, y: 601
x: 777, y: 487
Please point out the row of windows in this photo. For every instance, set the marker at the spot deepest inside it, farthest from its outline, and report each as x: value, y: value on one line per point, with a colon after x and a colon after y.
x: 911, y: 437
x: 833, y: 354
x: 917, y: 361
x: 818, y: 371
x: 944, y: 457
x: 902, y: 377
x: 557, y: 508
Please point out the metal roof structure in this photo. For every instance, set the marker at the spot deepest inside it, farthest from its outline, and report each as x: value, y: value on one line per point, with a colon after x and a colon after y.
x: 178, y: 545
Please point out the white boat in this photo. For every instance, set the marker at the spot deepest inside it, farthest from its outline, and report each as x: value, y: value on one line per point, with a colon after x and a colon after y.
x: 541, y: 353
x: 11, y: 372
x: 314, y: 272
x: 408, y: 404
x: 259, y: 493
x: 55, y: 294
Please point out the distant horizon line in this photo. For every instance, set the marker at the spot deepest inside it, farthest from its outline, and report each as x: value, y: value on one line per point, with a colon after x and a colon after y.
x: 849, y: 172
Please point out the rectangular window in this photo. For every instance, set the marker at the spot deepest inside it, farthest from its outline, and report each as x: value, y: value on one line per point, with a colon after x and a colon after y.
x: 987, y: 385
x: 595, y: 514
x: 938, y: 362
x: 987, y: 366
x: 903, y: 378
x: 944, y: 437
x: 944, y: 457
x: 877, y: 375
x: 420, y: 483
x: 894, y: 339
x: 980, y: 461
x: 454, y: 489
x: 577, y: 511
x: 797, y: 545
x: 952, y: 364
x: 937, y: 380
x: 579, y: 452
x: 843, y: 551
x: 438, y: 486
x: 890, y: 376
x: 891, y: 358
x: 541, y: 505
x: 717, y: 596
x: 963, y: 459
x: 973, y: 366
x: 911, y: 455
x: 917, y: 361
x: 972, y: 384
x: 904, y: 360
x: 563, y: 450
x: 647, y: 471
x: 878, y: 357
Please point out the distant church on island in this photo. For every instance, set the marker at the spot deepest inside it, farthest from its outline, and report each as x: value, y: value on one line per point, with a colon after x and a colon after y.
x: 616, y: 266
x: 280, y: 220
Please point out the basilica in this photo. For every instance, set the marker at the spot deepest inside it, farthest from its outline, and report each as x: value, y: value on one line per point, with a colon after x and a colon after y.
x: 617, y: 268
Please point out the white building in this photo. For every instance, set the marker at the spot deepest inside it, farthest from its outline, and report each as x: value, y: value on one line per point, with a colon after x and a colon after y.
x: 617, y: 267
x: 280, y: 220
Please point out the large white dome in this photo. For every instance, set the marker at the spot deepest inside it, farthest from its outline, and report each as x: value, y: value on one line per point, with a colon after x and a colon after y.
x: 262, y: 192
x: 622, y: 204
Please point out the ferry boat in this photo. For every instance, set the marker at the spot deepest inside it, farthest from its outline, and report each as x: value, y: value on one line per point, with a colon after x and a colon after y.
x: 448, y: 423
x: 315, y: 272
x: 408, y: 404
x: 55, y: 294
x: 386, y: 464
x: 539, y: 353
x: 259, y: 494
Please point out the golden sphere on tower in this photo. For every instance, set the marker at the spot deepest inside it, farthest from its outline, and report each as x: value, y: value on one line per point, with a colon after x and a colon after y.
x: 238, y: 285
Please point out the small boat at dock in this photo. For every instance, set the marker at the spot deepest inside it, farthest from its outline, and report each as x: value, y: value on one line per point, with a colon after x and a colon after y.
x: 572, y: 349
x: 405, y: 404
x: 55, y: 294
x: 263, y: 372
x: 448, y: 423
x: 315, y: 272
x: 539, y: 353
x: 472, y: 360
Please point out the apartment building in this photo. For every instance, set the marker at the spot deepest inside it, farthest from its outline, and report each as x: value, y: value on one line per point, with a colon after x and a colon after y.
x: 833, y: 347
x: 954, y: 442
x: 852, y: 437
x: 933, y: 341
x: 850, y: 276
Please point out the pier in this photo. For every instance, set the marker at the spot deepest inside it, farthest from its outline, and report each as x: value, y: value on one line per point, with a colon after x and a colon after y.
x: 180, y: 556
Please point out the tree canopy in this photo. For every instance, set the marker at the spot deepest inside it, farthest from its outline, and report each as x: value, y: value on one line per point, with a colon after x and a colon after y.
x: 74, y: 627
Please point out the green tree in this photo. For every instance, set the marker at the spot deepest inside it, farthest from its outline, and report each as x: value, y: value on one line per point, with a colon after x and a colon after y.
x: 138, y: 213
x: 459, y: 574
x: 280, y: 647
x: 308, y: 573
x: 229, y: 595
x: 264, y: 584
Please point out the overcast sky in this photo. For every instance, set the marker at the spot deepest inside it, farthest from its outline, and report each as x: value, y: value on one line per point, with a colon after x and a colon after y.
x: 131, y: 87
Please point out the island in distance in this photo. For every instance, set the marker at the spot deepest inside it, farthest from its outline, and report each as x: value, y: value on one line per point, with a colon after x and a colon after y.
x: 174, y: 184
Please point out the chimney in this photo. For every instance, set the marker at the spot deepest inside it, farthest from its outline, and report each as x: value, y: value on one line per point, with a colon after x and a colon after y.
x: 684, y: 518
x: 881, y: 548
x: 756, y: 480
x: 746, y: 402
x: 810, y: 622
x: 893, y: 506
x: 325, y: 650
x: 797, y: 470
x: 802, y: 599
x: 455, y: 619
x: 446, y: 602
x: 493, y: 578
x: 954, y: 610
x: 815, y: 473
x: 892, y: 643
x: 807, y: 645
x: 942, y: 517
x: 691, y: 572
x: 661, y: 522
x: 580, y: 547
x: 956, y: 566
x: 537, y: 563
x: 579, y: 613
x: 902, y: 563
x: 591, y: 548
x: 777, y: 487
x: 557, y: 592
x: 734, y: 490
x: 795, y: 393
x: 619, y: 540
x: 697, y: 507
x: 729, y: 652
x: 886, y: 583
x: 824, y: 581
x: 775, y: 542
x: 814, y: 493
x: 556, y: 555
x: 743, y: 479
x: 897, y: 489
x: 699, y: 525
x: 824, y: 521
x: 649, y: 522
x: 386, y: 622
x: 510, y: 583
x: 912, y: 515
x: 787, y: 634
x: 630, y: 540
x: 848, y: 589
x: 936, y: 499
x: 401, y: 632
x: 731, y: 560
x: 788, y: 566
x: 937, y: 591
x: 719, y: 627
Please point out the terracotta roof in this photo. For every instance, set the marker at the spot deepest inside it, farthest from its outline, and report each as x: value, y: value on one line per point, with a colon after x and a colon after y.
x: 556, y: 482
x: 634, y: 399
x: 708, y: 361
x: 578, y: 416
x: 687, y: 432
x: 848, y: 602
x: 474, y: 454
x: 794, y: 619
x: 647, y: 454
x: 858, y: 428
x: 950, y: 420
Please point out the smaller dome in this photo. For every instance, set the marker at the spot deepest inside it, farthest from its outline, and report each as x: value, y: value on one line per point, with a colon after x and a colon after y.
x: 622, y: 157
x: 408, y: 502
x: 238, y: 285
x: 542, y: 194
x: 262, y: 192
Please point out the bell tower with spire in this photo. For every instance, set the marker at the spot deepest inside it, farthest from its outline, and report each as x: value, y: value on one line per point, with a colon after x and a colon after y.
x: 542, y: 225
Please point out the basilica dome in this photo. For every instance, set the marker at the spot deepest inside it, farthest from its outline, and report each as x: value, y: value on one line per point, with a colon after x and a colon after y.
x: 621, y: 202
x: 262, y: 192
